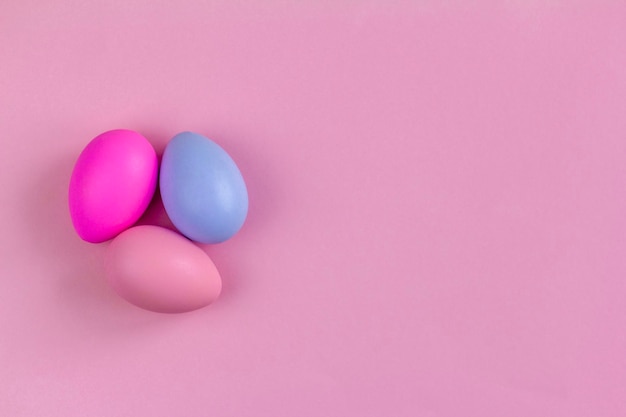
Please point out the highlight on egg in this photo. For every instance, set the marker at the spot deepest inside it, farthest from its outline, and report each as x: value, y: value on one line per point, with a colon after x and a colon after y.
x: 203, y: 191
x: 159, y: 270
x: 112, y: 183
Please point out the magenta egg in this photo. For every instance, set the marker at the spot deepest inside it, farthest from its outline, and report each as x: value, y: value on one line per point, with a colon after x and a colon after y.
x: 112, y: 184
x: 159, y: 270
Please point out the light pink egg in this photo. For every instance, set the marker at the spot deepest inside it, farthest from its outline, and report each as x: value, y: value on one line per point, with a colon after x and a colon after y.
x: 112, y: 184
x: 159, y: 270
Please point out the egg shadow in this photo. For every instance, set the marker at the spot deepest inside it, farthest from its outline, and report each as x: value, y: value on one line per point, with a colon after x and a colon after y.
x: 158, y: 138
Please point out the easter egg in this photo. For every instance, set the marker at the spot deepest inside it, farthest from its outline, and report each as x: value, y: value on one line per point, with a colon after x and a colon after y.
x: 112, y: 184
x: 159, y: 270
x: 202, y: 189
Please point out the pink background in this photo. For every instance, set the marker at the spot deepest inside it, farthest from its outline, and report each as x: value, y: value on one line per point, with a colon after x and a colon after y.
x: 437, y: 222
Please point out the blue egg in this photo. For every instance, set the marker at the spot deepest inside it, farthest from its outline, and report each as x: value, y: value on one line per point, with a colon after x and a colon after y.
x: 202, y: 189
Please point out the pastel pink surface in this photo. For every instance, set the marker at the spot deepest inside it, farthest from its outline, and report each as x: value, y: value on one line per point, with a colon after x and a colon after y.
x: 437, y: 217
x: 160, y: 270
x: 112, y: 183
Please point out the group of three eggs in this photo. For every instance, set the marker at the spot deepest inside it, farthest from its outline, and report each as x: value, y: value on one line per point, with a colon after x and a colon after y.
x: 203, y: 193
